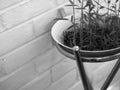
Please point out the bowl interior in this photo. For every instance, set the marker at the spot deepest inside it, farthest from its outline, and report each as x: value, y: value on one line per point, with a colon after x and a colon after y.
x: 58, y: 29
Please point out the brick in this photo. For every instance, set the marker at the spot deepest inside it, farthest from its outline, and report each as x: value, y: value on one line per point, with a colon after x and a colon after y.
x: 90, y: 68
x: 59, y: 2
x: 47, y: 60
x: 2, y: 68
x: 113, y: 84
x: 100, y: 74
x: 25, y: 12
x: 25, y: 32
x: 65, y: 82
x: 67, y: 10
x: 39, y: 83
x: 7, y: 3
x: 44, y: 22
x: 21, y: 55
x: 16, y: 37
x: 21, y: 34
x: 77, y: 86
x: 62, y: 68
x: 18, y: 78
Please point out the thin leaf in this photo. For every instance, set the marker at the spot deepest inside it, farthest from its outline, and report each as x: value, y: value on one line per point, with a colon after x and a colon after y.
x: 80, y: 8
x: 101, y: 7
x: 71, y: 2
x: 87, y: 4
x: 119, y: 10
x: 108, y: 37
x: 111, y: 10
x: 109, y: 1
x: 61, y: 19
x: 79, y: 1
x: 113, y: 32
x: 96, y: 2
x: 70, y: 27
x: 114, y: 7
x: 91, y: 14
x: 91, y: 8
x: 98, y: 16
x: 116, y: 1
x: 85, y: 17
x: 71, y: 5
x: 103, y: 15
x: 72, y: 18
x: 73, y: 25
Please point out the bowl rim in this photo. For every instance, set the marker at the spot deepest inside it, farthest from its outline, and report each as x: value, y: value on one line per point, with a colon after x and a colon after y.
x: 56, y: 40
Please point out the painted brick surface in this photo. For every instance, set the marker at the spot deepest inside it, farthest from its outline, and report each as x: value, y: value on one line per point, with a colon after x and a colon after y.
x: 44, y: 22
x: 39, y: 83
x: 16, y: 58
x: 27, y: 49
x: 18, y: 78
x: 27, y: 31
x: 58, y: 2
x: 62, y: 68
x: 25, y: 12
x: 90, y: 68
x: 77, y: 86
x: 2, y: 68
x: 65, y: 82
x: 14, y: 38
x: 102, y: 72
x: 30, y: 70
x: 47, y: 60
x: 29, y: 59
x: 7, y: 3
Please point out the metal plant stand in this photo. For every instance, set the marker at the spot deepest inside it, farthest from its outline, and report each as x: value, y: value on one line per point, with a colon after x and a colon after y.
x: 85, y: 80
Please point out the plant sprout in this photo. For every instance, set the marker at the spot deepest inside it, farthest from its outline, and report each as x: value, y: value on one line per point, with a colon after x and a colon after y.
x: 96, y: 29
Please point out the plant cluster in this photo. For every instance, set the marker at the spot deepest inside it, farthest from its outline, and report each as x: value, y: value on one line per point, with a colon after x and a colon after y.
x: 96, y: 28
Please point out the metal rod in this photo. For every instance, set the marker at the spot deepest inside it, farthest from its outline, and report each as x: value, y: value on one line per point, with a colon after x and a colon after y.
x: 85, y: 80
x: 111, y: 75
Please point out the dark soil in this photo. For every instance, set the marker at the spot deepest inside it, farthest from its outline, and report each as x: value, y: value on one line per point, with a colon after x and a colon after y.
x: 101, y: 38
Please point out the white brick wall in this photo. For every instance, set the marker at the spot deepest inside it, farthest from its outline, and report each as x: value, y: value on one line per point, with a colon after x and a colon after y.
x: 17, y: 79
x: 39, y: 83
x: 77, y: 86
x: 24, y: 12
x: 62, y: 68
x: 25, y: 53
x: 28, y: 57
x: 7, y: 3
x: 64, y: 82
x: 15, y: 37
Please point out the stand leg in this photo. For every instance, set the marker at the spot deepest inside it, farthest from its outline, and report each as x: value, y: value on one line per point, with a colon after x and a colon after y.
x: 111, y: 75
x: 85, y: 80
